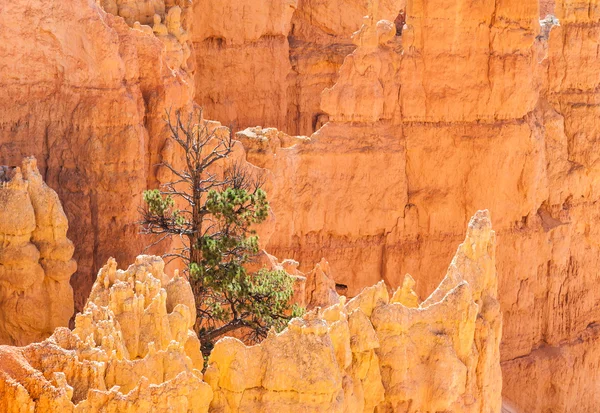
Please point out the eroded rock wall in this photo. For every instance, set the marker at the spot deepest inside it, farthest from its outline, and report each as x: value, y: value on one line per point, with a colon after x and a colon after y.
x: 560, y: 374
x: 35, y: 257
x: 320, y: 39
x: 393, y: 354
x: 245, y: 41
x: 282, y: 55
x: 491, y: 112
x: 468, y: 108
x: 86, y: 95
x: 132, y: 349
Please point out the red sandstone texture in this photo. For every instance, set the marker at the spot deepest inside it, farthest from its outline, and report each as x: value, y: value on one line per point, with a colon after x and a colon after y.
x: 473, y: 106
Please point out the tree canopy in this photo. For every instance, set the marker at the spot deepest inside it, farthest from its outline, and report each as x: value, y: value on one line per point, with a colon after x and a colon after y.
x: 211, y: 206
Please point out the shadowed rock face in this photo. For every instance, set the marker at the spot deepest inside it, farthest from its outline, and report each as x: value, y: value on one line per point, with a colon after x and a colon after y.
x: 35, y: 257
x: 132, y: 348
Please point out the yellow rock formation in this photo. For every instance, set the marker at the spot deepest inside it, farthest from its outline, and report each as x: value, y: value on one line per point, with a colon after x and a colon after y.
x: 131, y: 350
x: 86, y: 95
x: 494, y: 110
x: 35, y: 257
x: 441, y: 355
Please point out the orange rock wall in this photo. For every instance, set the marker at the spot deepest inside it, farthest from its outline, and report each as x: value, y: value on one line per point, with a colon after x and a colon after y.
x: 282, y: 54
x: 246, y: 41
x: 561, y: 291
x: 473, y: 106
x: 483, y: 108
x: 86, y: 95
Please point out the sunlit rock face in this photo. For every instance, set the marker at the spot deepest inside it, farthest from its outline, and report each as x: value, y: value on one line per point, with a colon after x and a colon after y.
x: 466, y: 107
x: 35, y: 257
x: 132, y: 349
x: 86, y: 94
x: 469, y: 108
x: 379, y: 353
x: 282, y: 55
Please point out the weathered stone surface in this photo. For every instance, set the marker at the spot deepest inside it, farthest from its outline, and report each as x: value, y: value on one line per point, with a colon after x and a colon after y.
x: 35, y: 257
x: 543, y: 380
x: 86, y: 95
x: 442, y: 355
x: 131, y: 350
x: 282, y: 54
x: 368, y: 87
x: 491, y: 113
x: 320, y: 39
x: 245, y: 41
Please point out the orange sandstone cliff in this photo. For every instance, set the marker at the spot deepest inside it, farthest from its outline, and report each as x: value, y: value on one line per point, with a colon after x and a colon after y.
x: 465, y: 106
x: 86, y: 95
x: 470, y: 107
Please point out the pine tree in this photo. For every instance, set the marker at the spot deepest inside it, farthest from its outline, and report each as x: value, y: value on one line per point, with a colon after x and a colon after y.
x: 213, y: 214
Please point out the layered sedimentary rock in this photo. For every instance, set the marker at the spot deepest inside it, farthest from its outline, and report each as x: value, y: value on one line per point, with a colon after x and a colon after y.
x: 561, y: 373
x: 468, y: 108
x: 282, y: 54
x: 396, y: 355
x: 131, y: 350
x: 492, y: 111
x: 245, y: 41
x: 320, y: 40
x: 86, y: 95
x: 35, y: 257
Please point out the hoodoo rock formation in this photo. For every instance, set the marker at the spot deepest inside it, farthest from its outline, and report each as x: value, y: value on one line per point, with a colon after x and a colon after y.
x: 132, y: 350
x: 498, y: 115
x: 395, y: 354
x: 35, y: 257
x: 468, y: 106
